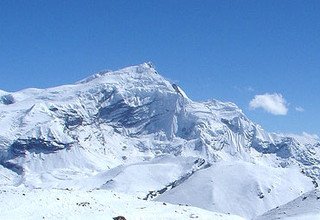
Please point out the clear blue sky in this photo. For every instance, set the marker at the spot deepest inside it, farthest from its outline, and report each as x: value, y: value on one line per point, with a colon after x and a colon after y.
x: 227, y: 50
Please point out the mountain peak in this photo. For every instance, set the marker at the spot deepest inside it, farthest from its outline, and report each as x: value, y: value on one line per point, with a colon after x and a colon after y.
x: 149, y: 64
x: 145, y: 68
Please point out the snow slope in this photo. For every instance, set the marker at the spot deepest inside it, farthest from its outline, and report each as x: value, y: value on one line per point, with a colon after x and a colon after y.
x: 306, y: 207
x: 241, y: 188
x: 132, y: 131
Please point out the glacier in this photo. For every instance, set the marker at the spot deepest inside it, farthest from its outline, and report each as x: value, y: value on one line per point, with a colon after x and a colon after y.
x: 134, y: 132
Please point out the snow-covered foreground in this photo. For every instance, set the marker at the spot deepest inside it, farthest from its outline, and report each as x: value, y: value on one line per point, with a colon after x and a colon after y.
x: 22, y: 203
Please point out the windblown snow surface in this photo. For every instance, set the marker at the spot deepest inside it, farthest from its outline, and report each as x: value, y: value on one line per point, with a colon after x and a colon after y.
x: 131, y: 143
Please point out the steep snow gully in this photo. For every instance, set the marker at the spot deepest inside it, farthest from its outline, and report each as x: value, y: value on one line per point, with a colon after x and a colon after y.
x: 131, y: 131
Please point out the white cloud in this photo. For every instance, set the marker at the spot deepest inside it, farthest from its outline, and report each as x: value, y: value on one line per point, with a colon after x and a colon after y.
x: 244, y: 89
x: 250, y: 89
x: 272, y: 103
x: 307, y: 135
x: 304, y: 138
x: 299, y: 109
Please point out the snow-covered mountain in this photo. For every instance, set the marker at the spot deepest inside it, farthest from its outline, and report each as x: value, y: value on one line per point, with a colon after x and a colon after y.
x: 134, y: 132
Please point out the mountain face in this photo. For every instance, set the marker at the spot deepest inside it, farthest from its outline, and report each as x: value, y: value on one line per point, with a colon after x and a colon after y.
x: 134, y: 132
